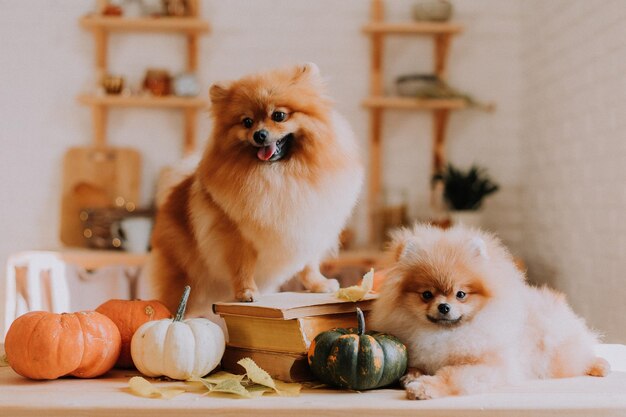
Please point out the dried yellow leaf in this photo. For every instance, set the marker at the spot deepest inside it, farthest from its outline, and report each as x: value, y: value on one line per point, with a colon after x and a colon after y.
x: 254, y: 383
x: 256, y: 374
x: 4, y: 361
x: 357, y: 292
x: 143, y: 388
x: 231, y: 386
x: 169, y: 393
x: 288, y: 389
x: 368, y: 281
x: 258, y: 390
x: 221, y: 376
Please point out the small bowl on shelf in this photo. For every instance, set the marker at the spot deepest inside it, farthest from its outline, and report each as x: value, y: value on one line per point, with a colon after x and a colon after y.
x: 158, y: 82
x: 113, y: 84
x: 432, y: 11
x: 186, y: 85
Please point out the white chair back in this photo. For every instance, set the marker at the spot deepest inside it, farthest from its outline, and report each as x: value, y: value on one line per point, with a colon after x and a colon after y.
x: 34, y: 281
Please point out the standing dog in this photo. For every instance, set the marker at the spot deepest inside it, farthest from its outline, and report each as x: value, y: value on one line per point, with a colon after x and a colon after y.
x: 273, y: 190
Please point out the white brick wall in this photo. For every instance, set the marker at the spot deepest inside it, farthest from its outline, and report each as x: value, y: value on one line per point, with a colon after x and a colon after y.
x: 485, y: 62
x: 554, y: 68
x: 574, y: 136
x: 41, y: 119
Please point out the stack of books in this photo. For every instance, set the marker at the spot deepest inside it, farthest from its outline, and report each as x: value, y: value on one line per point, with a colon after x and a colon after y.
x: 277, y: 330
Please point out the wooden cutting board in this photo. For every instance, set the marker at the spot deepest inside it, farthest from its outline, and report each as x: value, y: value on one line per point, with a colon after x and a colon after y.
x: 96, y: 178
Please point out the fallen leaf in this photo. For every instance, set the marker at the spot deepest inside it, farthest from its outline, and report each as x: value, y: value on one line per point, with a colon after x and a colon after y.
x: 254, y: 383
x: 288, y: 389
x: 218, y: 377
x: 257, y: 390
x: 4, y: 361
x: 143, y: 388
x: 357, y: 292
x: 256, y: 374
x: 169, y: 393
x: 231, y: 386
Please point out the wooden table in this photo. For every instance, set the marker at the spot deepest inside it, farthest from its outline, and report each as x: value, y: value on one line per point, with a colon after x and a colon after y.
x: 584, y: 397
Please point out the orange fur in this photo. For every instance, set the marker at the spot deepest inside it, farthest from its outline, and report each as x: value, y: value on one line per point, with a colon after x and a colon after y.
x: 240, y: 225
x: 494, y: 328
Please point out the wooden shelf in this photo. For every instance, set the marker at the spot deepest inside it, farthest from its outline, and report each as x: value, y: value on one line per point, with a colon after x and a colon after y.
x: 143, y: 101
x: 412, y: 28
x: 101, y: 26
x: 152, y: 24
x: 377, y: 102
x: 407, y: 103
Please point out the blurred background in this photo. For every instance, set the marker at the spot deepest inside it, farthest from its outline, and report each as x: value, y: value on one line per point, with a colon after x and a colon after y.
x: 533, y: 93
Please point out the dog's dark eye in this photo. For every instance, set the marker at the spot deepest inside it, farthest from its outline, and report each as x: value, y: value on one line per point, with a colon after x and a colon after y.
x: 427, y: 295
x: 247, y: 122
x: 460, y: 295
x: 279, y: 116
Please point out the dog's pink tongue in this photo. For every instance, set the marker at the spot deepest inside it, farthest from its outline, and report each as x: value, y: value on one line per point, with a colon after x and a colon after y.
x: 266, y: 152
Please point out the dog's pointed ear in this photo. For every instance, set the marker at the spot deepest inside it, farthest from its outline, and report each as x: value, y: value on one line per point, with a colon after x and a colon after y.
x: 478, y: 247
x: 218, y: 92
x: 308, y: 71
x: 408, y: 249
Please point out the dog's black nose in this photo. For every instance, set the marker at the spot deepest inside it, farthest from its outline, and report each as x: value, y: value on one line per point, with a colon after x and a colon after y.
x: 260, y: 136
x: 443, y: 308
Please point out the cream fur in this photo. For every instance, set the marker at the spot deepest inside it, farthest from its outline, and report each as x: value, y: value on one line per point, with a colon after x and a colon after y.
x: 519, y: 332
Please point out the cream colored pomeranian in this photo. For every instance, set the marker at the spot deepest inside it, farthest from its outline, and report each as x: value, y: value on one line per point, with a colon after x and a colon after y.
x: 270, y: 196
x: 470, y: 321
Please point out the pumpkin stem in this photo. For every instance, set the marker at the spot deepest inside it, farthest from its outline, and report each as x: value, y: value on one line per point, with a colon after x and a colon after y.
x: 180, y: 313
x: 361, y: 320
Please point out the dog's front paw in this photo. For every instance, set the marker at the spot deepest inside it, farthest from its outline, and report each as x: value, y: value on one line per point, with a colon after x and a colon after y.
x: 325, y: 285
x: 247, y: 295
x: 411, y: 375
x: 424, y: 388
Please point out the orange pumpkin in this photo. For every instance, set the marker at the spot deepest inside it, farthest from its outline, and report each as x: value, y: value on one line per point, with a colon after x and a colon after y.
x: 44, y: 345
x: 129, y: 316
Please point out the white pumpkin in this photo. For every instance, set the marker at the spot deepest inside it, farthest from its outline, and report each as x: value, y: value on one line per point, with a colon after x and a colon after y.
x: 178, y: 349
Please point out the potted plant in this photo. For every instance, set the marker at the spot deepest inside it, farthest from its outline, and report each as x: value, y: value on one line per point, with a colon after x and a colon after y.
x: 464, y: 192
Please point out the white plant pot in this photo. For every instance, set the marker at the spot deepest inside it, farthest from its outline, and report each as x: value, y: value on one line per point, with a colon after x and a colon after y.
x: 469, y: 218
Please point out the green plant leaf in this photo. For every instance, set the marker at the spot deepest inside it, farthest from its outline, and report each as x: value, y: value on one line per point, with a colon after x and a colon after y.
x: 466, y: 190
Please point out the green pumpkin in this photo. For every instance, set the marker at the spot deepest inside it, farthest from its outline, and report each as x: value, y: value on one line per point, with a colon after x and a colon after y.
x: 353, y: 359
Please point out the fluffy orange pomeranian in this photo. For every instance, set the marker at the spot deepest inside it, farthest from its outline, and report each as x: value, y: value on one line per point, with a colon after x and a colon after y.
x: 470, y: 321
x: 274, y: 188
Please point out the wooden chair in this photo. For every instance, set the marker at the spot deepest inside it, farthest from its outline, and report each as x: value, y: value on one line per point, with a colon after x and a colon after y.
x: 45, y: 280
x: 34, y: 281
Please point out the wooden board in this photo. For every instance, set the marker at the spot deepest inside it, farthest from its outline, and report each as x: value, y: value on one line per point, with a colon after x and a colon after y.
x: 109, y: 396
x: 96, y: 177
